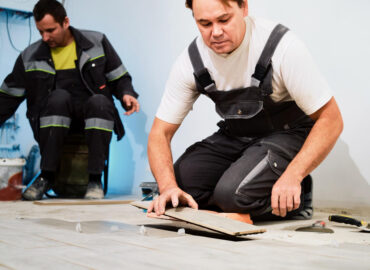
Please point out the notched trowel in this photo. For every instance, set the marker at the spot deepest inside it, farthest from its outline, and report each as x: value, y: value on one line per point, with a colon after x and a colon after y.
x: 318, y: 227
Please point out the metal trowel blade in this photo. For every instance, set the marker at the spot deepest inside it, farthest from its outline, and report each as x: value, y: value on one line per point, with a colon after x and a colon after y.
x: 314, y: 229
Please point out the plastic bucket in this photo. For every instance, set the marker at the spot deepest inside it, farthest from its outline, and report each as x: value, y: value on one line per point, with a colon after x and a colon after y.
x: 11, y: 175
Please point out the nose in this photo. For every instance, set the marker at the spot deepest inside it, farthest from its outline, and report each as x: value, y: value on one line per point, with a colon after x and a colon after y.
x: 45, y: 37
x: 217, y: 30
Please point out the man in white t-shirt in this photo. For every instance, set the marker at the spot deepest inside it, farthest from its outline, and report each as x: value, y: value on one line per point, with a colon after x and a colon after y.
x: 280, y: 118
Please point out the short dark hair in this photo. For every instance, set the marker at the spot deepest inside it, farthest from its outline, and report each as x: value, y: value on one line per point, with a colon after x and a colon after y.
x: 52, y: 7
x: 189, y: 3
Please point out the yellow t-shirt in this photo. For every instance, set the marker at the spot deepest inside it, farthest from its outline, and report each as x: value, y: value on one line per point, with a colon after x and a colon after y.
x: 64, y: 57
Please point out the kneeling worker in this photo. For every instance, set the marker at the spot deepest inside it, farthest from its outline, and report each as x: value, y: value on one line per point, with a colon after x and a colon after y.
x: 280, y: 119
x: 68, y: 79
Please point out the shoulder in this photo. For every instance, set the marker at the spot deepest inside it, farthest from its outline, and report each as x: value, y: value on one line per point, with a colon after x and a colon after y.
x: 180, y: 92
x: 28, y: 52
x: 260, y: 27
x: 92, y: 35
x: 261, y: 31
x: 34, y: 46
x: 182, y: 66
x: 181, y: 78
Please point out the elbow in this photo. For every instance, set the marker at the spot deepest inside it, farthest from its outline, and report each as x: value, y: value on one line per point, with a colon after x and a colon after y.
x: 337, y: 127
x: 334, y: 115
x: 341, y: 126
x: 160, y: 135
x: 156, y: 138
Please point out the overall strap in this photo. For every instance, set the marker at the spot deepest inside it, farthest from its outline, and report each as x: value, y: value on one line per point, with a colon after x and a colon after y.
x: 263, y: 73
x: 202, y: 77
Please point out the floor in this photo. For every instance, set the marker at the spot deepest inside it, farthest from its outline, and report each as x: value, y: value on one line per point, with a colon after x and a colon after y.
x: 120, y: 236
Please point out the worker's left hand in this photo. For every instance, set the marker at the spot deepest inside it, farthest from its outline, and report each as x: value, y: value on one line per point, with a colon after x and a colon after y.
x: 286, y: 195
x: 131, y: 103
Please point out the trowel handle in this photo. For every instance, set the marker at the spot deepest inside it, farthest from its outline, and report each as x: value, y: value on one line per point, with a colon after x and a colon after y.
x: 346, y: 220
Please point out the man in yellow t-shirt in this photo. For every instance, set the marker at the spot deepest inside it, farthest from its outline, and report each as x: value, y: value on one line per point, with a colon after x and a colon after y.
x: 68, y: 78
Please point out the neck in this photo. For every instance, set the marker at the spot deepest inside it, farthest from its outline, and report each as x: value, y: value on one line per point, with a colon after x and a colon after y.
x: 68, y: 38
x: 243, y: 33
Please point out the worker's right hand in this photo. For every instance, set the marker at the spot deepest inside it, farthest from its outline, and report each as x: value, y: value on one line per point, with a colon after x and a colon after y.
x: 174, y: 195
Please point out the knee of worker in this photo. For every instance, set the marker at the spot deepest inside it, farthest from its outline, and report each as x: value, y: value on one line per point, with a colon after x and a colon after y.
x: 188, y: 177
x: 241, y: 189
x: 225, y: 197
x: 183, y: 173
x: 99, y: 106
x: 58, y: 101
x: 229, y: 198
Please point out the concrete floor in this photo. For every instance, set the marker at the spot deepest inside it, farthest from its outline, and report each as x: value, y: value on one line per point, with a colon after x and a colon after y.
x: 113, y: 237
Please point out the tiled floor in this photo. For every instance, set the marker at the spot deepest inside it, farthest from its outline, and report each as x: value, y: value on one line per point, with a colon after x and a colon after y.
x: 120, y: 236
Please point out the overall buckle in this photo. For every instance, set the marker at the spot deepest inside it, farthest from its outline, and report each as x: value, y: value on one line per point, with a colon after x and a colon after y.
x: 204, y: 79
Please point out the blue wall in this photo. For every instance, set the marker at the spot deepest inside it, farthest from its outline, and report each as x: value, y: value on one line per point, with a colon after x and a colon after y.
x: 19, y: 33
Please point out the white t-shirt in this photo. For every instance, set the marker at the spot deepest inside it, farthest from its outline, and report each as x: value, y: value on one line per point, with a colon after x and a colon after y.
x: 295, y: 76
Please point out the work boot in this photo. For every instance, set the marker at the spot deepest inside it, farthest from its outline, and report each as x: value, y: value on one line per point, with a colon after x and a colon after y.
x: 37, y: 189
x: 94, y: 191
x: 307, y: 211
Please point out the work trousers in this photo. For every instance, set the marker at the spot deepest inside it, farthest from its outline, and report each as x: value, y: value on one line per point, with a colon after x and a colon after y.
x: 234, y: 174
x: 63, y: 114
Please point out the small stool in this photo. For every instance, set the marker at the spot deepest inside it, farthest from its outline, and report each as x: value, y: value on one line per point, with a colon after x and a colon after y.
x: 72, y: 178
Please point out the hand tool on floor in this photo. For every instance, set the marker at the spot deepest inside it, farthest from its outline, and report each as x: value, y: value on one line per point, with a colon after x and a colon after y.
x: 319, y: 227
x: 362, y: 225
x: 149, y: 190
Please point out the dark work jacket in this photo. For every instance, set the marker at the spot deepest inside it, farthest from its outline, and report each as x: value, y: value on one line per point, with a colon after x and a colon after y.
x: 33, y: 76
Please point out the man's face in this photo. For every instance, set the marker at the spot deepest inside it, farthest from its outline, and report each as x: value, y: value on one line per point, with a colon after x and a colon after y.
x: 53, y: 33
x: 221, y: 26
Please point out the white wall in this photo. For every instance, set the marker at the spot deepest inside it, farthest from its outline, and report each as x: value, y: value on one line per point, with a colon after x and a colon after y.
x: 337, y: 34
x: 149, y: 35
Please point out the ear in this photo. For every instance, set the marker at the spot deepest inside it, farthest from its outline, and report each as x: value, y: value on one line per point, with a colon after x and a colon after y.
x: 245, y: 8
x: 66, y: 23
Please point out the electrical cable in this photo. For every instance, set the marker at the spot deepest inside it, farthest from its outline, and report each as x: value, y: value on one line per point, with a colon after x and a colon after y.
x: 30, y: 28
x: 9, y: 36
x: 7, y: 29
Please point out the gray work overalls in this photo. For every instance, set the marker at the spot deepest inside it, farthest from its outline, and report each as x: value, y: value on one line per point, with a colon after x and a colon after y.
x: 235, y: 169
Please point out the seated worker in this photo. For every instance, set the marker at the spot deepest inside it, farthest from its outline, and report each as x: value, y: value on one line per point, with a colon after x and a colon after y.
x: 68, y: 79
x: 280, y: 119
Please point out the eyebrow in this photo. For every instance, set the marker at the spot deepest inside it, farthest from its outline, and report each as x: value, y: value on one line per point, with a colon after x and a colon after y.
x: 223, y: 16
x: 218, y: 18
x: 50, y: 29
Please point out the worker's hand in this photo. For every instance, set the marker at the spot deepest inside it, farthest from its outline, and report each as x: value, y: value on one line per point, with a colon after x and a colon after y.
x: 131, y: 104
x: 285, y: 196
x: 174, y: 195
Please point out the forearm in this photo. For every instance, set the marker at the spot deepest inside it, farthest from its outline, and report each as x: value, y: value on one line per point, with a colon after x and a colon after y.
x: 319, y: 142
x: 8, y: 106
x: 160, y: 158
x: 123, y: 86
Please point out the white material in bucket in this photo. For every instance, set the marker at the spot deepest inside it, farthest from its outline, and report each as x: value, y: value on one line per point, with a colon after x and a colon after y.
x: 8, y: 168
